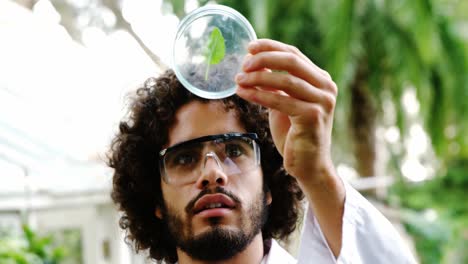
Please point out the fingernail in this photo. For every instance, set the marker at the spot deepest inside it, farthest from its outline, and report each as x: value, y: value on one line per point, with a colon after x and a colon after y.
x: 240, y: 77
x: 247, y: 62
x: 252, y: 45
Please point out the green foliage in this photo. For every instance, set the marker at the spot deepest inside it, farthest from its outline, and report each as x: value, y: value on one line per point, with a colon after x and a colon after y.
x: 29, y: 249
x: 215, y: 50
x: 430, y: 236
x: 443, y: 193
x: 446, y: 237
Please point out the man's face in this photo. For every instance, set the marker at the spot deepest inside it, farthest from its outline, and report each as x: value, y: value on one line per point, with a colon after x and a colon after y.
x: 219, y: 233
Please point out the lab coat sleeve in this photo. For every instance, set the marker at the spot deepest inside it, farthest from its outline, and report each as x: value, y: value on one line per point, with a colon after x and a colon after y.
x: 368, y: 237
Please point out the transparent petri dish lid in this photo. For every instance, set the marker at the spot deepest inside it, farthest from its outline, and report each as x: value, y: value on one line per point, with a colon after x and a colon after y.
x: 210, y: 45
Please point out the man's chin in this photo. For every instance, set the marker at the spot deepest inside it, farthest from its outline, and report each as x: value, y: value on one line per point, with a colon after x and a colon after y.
x: 217, y: 243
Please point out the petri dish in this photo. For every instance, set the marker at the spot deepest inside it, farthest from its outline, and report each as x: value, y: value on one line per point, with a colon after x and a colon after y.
x: 208, y: 50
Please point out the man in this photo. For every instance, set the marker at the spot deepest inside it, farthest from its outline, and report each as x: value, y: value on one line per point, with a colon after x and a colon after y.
x: 217, y: 181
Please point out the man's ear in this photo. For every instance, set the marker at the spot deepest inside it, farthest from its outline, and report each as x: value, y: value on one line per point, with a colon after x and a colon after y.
x: 269, y: 199
x: 158, y: 213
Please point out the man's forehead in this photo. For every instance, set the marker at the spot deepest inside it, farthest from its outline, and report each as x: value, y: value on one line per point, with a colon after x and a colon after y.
x: 198, y: 119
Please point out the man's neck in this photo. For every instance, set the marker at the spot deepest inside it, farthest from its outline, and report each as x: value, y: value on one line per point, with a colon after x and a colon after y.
x: 253, y: 253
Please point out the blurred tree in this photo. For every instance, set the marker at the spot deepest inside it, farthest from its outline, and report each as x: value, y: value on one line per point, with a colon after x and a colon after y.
x: 76, y: 16
x: 122, y: 23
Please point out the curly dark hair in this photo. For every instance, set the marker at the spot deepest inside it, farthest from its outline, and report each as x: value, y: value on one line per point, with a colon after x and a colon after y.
x: 137, y: 184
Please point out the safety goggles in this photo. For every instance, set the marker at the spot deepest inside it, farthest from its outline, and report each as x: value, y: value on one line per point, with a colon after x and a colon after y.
x: 233, y: 153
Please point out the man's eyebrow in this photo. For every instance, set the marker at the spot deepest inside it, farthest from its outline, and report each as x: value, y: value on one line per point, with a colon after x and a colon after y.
x: 188, y: 142
x: 223, y: 137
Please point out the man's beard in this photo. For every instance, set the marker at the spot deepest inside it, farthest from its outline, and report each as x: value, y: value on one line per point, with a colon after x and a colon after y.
x: 218, y: 243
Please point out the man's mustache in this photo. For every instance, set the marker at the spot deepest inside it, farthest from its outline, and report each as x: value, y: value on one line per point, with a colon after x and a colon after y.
x: 189, y: 208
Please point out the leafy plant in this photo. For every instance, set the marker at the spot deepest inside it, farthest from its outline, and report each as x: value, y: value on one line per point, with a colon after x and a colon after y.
x: 216, y: 49
x: 430, y: 235
x: 29, y: 248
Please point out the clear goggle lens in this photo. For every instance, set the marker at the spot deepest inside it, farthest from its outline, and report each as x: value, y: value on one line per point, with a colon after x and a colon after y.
x: 233, y: 153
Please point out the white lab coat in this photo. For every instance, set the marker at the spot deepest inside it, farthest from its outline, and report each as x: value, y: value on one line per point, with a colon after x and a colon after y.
x: 368, y: 237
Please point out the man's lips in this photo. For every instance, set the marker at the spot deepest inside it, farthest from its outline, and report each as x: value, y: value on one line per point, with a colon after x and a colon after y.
x: 211, y: 201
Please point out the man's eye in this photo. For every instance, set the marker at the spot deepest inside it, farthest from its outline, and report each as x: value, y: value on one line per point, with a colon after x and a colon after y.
x: 184, y: 159
x: 234, y: 150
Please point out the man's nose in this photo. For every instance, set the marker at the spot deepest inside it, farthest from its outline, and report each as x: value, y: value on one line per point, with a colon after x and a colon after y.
x: 212, y: 171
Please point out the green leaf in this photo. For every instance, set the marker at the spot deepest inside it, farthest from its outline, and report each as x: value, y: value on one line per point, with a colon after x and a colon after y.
x: 215, y: 50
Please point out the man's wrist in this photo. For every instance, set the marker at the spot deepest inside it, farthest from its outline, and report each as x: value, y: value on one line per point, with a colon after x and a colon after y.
x: 318, y: 174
